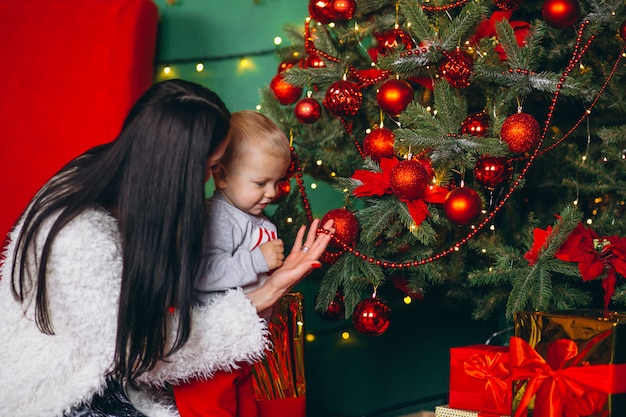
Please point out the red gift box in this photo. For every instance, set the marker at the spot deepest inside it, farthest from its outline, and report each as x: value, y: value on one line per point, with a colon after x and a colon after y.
x: 480, y: 379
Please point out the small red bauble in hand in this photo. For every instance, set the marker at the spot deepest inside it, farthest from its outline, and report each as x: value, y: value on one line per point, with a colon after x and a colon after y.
x: 346, y: 226
x: 371, y: 317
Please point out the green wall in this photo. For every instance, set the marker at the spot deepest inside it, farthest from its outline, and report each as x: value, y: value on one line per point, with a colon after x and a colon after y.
x: 362, y: 375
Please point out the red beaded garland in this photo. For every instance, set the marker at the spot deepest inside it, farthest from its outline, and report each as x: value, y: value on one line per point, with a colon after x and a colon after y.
x: 462, y: 205
x: 408, y: 179
x: 307, y: 110
x: 371, y: 317
x: 511, y: 5
x: 521, y: 132
x: 343, y: 98
x: 394, y: 96
x: 283, y: 91
x: 560, y: 14
x: 346, y: 226
x: 379, y: 144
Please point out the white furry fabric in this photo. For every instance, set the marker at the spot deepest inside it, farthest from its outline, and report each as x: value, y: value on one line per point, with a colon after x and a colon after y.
x: 44, y: 376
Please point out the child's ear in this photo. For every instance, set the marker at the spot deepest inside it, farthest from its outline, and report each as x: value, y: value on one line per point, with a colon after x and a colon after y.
x: 219, y: 177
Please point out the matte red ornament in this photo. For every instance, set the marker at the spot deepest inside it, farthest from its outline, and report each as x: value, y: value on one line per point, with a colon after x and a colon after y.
x: 321, y: 11
x: 521, y: 132
x: 622, y: 31
x: 491, y: 171
x: 462, y: 205
x: 371, y: 317
x: 560, y: 14
x: 346, y: 226
x: 456, y: 67
x: 343, y: 98
x: 394, y: 96
x: 307, y: 110
x: 510, y: 5
x: 379, y: 144
x: 343, y: 9
x: 393, y: 39
x: 283, y: 91
x: 408, y: 179
x: 476, y: 124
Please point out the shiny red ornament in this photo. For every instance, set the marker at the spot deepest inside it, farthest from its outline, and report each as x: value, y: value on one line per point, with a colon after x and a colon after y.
x: 509, y: 5
x: 394, y: 96
x: 560, y: 14
x: 285, y: 65
x: 346, y: 226
x: 379, y: 144
x: 521, y: 132
x: 283, y: 91
x: 462, y: 205
x: 343, y: 9
x: 408, y: 179
x: 456, y: 67
x: 622, y: 31
x: 313, y: 61
x: 343, y: 98
x: 282, y: 189
x: 392, y: 40
x: 307, y: 110
x: 321, y: 11
x: 476, y: 124
x: 371, y: 317
x: 336, y: 308
x: 491, y: 171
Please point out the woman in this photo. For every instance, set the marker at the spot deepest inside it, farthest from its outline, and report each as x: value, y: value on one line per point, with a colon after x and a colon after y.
x: 96, y: 281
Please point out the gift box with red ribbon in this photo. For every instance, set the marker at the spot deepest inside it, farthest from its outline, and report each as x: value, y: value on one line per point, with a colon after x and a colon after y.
x: 569, y: 364
x: 480, y: 379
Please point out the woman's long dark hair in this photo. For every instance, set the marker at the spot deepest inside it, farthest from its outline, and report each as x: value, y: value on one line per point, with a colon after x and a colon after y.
x: 152, y: 178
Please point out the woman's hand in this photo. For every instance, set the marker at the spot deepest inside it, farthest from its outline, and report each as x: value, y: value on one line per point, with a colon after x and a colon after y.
x: 304, y: 257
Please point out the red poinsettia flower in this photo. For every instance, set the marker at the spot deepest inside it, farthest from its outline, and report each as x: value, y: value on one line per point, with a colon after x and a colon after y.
x: 487, y: 29
x: 539, y: 239
x: 378, y: 183
x: 596, y: 256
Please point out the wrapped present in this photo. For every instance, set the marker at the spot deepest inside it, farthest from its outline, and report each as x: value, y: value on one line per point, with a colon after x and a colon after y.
x: 447, y: 411
x: 570, y: 363
x: 480, y: 379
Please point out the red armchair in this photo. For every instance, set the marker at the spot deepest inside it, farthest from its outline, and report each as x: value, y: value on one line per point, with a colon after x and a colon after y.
x: 71, y: 70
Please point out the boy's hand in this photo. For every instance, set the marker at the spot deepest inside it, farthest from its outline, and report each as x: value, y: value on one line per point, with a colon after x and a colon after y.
x: 273, y: 252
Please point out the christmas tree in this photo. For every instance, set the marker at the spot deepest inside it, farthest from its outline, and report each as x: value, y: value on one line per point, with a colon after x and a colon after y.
x: 480, y: 146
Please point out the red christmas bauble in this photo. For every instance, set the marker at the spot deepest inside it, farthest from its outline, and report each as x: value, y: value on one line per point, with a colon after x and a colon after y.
x: 560, y: 14
x: 335, y: 309
x: 346, y: 226
x: 313, y: 61
x: 379, y: 144
x: 285, y: 65
x: 285, y: 93
x: 343, y: 98
x: 511, y: 5
x: 393, y: 39
x: 456, y: 67
x: 371, y: 317
x: 476, y: 124
x: 343, y: 9
x: 282, y: 189
x: 394, y: 96
x: 307, y: 110
x: 321, y: 11
x: 491, y: 171
x: 462, y: 205
x: 622, y: 31
x: 521, y: 132
x: 408, y: 179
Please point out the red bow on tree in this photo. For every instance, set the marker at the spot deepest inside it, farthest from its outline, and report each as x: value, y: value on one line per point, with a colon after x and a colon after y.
x: 377, y: 184
x: 487, y: 29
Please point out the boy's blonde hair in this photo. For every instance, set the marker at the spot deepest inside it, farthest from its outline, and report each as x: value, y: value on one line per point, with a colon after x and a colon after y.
x: 251, y: 131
